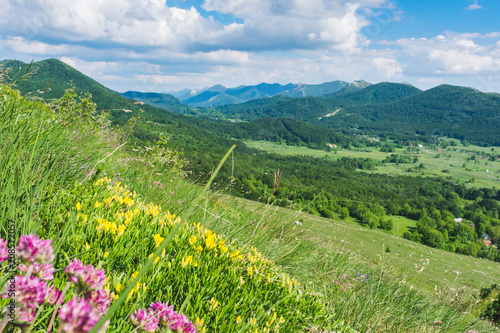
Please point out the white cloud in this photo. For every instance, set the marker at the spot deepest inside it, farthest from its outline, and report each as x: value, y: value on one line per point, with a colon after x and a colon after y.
x: 451, y: 54
x: 267, y: 24
x: 474, y: 6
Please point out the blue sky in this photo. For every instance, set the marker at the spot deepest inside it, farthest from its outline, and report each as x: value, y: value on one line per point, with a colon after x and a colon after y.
x: 158, y: 45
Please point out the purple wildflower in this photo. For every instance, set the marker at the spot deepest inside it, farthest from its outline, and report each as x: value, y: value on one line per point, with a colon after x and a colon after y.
x: 31, y: 249
x: 77, y: 316
x: 360, y: 274
x: 100, y: 300
x: 44, y: 272
x: 86, y: 277
x: 144, y: 320
x: 4, y: 253
x: 30, y: 292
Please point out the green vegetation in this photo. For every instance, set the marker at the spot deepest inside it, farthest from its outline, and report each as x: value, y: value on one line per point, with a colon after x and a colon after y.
x: 336, y: 187
x: 110, y: 224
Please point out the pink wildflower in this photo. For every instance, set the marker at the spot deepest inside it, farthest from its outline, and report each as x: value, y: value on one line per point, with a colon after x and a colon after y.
x: 86, y: 277
x: 144, y: 320
x: 185, y: 325
x: 30, y: 292
x: 23, y: 316
x: 4, y: 253
x: 343, y: 276
x: 44, y: 272
x: 31, y: 249
x: 77, y: 316
x: 100, y: 300
x: 53, y: 295
x: 167, y: 316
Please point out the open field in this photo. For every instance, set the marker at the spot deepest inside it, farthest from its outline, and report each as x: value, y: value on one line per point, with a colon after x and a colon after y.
x: 447, y: 163
x: 423, y: 267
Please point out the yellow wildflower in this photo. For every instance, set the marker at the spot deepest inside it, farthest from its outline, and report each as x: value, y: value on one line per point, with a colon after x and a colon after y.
x: 120, y: 230
x: 158, y: 239
x: 192, y: 240
x: 250, y: 271
x: 106, y: 254
x: 186, y: 261
x: 198, y: 323
x: 238, y: 320
x: 87, y: 246
x: 213, y: 304
x: 210, y: 240
x: 118, y: 287
x: 199, y: 249
x: 78, y: 206
x: 129, y: 202
x: 97, y: 204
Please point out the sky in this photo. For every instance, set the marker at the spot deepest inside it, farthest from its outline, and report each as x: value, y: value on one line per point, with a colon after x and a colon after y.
x: 163, y: 46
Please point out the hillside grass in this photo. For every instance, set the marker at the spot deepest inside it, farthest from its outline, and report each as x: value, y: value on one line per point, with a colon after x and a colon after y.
x: 67, y: 177
x: 452, y: 160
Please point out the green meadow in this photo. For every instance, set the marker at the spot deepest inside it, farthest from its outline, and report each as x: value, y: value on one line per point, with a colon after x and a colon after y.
x: 451, y: 163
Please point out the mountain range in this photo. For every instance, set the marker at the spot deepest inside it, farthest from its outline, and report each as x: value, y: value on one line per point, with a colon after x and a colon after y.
x: 219, y: 95
x: 446, y: 110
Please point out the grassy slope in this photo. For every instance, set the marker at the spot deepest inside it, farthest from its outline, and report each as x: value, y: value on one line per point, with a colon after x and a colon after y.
x: 405, y: 256
x: 84, y: 219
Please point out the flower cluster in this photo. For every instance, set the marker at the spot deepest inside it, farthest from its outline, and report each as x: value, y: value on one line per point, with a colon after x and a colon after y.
x: 85, y: 277
x: 4, y: 253
x: 31, y: 249
x: 161, y: 316
x: 83, y: 311
x: 30, y: 291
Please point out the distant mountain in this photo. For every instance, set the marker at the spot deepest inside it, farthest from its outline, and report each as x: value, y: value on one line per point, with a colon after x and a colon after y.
x: 219, y: 95
x: 156, y: 99
x: 50, y: 78
x: 305, y: 90
x: 352, y: 87
x: 459, y: 112
x: 314, y: 108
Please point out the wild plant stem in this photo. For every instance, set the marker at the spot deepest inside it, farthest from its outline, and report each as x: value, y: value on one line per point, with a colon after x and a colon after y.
x: 4, y: 322
x: 59, y: 301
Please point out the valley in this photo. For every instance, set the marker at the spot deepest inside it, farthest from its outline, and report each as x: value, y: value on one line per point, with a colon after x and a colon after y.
x: 469, y: 164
